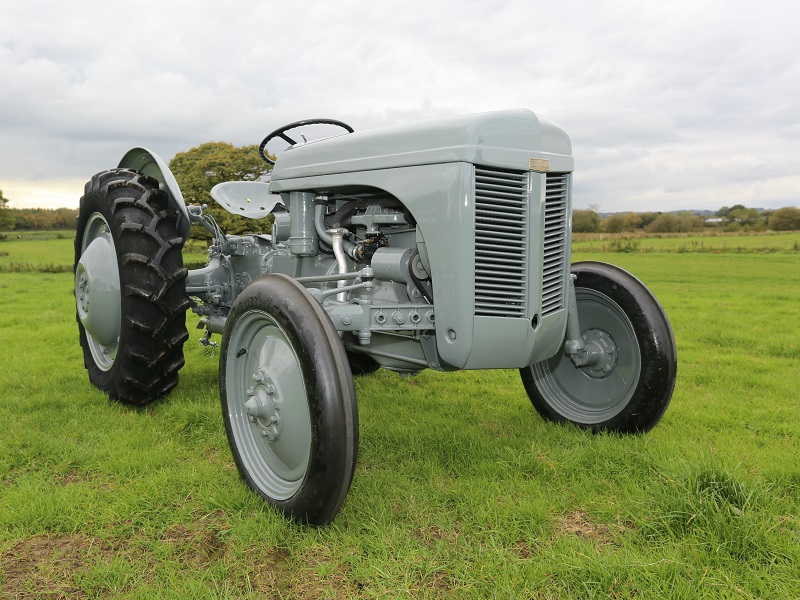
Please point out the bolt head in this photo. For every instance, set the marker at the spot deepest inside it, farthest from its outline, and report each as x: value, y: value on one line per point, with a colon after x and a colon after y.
x: 252, y: 407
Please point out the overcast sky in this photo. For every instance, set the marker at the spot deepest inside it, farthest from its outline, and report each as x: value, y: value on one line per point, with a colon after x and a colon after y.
x: 670, y: 105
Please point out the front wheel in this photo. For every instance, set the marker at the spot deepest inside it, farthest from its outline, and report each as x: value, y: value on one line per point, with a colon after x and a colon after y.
x: 628, y: 389
x: 288, y: 400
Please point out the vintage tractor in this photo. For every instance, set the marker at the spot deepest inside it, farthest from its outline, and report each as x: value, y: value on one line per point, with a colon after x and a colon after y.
x: 442, y: 244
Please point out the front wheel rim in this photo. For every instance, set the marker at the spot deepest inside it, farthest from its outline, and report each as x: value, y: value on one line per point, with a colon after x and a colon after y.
x: 580, y: 395
x: 267, y: 404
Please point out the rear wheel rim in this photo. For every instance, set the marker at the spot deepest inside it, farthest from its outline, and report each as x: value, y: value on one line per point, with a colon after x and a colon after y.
x: 97, y: 292
x: 267, y: 403
x: 579, y: 394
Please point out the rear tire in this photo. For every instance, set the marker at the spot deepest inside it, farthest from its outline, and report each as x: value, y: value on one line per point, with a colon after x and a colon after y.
x: 129, y: 287
x: 627, y: 392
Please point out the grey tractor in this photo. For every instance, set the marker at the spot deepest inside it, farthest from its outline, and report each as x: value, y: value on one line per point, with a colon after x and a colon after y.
x: 442, y: 244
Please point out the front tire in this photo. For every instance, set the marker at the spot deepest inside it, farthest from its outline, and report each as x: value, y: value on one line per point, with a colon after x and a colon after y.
x: 129, y: 287
x: 629, y: 389
x: 288, y: 400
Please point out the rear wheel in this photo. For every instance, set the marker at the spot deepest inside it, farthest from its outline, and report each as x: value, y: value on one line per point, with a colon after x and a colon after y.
x: 627, y: 389
x: 288, y: 400
x: 129, y: 287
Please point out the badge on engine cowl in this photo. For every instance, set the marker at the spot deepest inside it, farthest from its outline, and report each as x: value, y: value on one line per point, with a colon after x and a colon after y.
x: 539, y: 164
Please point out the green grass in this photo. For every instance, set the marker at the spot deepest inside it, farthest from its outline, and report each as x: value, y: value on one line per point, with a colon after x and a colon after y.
x: 713, y: 242
x: 53, y: 252
x: 460, y: 490
x: 37, y: 253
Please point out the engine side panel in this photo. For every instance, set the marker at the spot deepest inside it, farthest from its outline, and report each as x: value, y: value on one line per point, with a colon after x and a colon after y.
x: 441, y: 199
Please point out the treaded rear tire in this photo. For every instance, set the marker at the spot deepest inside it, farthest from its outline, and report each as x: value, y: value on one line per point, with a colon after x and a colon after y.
x: 143, y: 363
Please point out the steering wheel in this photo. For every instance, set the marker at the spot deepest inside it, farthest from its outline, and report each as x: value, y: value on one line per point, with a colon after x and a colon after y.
x: 281, y: 133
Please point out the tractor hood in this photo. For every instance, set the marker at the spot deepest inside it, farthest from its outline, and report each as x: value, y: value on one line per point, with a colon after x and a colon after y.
x: 507, y: 139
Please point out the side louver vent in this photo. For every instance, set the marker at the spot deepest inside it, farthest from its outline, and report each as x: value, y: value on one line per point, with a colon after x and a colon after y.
x: 555, y: 242
x: 501, y: 242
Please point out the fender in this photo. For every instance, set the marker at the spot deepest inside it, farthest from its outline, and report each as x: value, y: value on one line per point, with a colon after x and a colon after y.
x: 151, y: 164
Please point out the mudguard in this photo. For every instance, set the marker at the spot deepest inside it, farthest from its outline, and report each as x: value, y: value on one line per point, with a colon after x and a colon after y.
x: 149, y: 163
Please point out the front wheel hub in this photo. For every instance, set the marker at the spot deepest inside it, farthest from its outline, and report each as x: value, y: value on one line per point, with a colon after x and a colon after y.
x: 601, y: 353
x: 263, y: 405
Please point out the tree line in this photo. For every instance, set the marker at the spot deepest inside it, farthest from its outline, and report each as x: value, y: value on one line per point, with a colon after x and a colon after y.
x: 37, y: 219
x: 734, y: 218
x: 199, y: 169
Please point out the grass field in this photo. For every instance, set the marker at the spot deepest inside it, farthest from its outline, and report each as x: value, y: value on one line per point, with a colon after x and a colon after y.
x: 460, y: 490
x: 48, y: 252
x: 709, y: 242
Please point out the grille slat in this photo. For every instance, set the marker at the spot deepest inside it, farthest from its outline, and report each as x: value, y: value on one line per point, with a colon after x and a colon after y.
x: 501, y: 242
x: 554, y: 260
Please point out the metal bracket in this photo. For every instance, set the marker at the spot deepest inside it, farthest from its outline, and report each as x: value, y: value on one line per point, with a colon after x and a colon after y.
x: 573, y: 344
x: 593, y: 351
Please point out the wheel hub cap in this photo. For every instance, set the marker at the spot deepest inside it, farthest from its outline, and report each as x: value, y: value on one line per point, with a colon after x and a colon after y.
x: 97, y: 292
x: 602, y: 353
x: 263, y: 404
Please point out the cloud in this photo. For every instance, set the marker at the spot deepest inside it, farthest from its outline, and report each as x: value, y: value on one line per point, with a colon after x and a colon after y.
x: 687, y: 104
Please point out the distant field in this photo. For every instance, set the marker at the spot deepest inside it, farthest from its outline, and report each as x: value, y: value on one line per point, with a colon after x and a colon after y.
x: 53, y: 251
x: 460, y: 490
x: 712, y: 242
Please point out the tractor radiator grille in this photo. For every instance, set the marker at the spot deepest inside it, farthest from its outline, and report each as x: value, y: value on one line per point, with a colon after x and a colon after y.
x: 501, y: 242
x: 554, y: 263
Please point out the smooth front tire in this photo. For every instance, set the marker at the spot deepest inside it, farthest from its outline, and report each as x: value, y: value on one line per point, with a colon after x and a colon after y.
x: 129, y: 287
x: 628, y: 388
x: 288, y: 400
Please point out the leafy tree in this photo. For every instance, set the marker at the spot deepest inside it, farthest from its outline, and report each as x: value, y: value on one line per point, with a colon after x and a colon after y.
x: 675, y: 223
x: 585, y: 221
x: 664, y: 223
x: 785, y: 219
x: 614, y: 223
x: 619, y: 222
x: 691, y: 222
x: 646, y: 218
x: 632, y: 221
x: 726, y: 211
x: 201, y: 168
x: 6, y: 215
x: 744, y: 216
